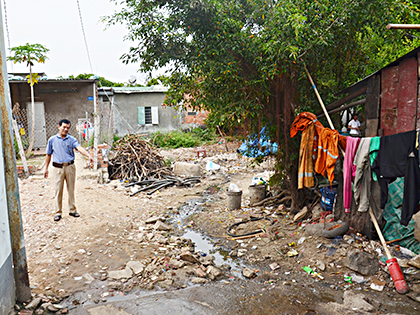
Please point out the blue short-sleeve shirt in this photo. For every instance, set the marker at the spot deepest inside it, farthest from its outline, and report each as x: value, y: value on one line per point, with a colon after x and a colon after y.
x: 62, y: 149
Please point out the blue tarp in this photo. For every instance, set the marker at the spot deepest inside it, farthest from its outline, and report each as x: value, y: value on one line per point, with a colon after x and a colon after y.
x: 250, y: 147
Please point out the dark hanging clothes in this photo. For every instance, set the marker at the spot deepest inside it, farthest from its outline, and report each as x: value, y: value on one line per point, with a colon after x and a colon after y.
x: 398, y: 157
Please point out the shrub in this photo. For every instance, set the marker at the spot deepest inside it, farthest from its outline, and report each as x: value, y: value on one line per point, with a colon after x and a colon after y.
x: 178, y: 139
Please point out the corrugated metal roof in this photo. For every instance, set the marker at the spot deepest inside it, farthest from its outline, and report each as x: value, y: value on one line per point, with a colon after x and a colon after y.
x: 11, y: 80
x: 140, y: 89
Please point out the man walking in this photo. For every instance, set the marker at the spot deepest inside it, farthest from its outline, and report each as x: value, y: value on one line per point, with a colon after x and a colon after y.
x: 61, y: 146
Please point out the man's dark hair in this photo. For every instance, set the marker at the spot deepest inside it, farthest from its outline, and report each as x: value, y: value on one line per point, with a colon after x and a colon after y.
x: 64, y: 121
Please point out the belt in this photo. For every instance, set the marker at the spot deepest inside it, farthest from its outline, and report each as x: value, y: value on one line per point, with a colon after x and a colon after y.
x: 60, y: 165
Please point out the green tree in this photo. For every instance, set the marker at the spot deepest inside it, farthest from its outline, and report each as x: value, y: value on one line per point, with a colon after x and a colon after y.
x: 102, y: 80
x: 30, y: 53
x: 243, y: 59
x: 160, y: 80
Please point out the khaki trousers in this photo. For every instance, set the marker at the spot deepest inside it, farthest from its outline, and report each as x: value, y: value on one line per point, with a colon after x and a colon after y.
x: 68, y: 174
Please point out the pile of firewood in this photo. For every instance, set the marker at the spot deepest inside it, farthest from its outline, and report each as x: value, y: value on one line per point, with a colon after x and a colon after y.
x: 136, y: 159
x: 154, y: 185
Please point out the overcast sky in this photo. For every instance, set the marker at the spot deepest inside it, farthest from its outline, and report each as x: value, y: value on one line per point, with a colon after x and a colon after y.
x: 56, y: 25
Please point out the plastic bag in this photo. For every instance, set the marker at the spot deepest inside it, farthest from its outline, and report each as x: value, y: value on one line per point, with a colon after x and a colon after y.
x: 233, y: 187
x: 211, y: 166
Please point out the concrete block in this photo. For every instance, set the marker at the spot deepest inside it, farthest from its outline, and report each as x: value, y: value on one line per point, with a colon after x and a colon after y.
x: 187, y: 169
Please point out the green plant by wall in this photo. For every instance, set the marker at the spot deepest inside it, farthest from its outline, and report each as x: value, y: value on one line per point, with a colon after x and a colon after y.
x: 178, y: 139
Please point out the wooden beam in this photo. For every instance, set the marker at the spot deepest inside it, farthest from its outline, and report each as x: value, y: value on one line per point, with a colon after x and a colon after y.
x: 343, y: 108
x: 344, y: 100
x: 373, y: 97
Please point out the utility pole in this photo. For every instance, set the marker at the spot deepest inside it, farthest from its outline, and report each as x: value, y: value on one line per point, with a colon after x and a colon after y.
x: 96, y: 128
x: 23, y: 290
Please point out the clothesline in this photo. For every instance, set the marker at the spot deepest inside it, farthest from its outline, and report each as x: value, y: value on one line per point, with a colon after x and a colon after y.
x: 382, y: 159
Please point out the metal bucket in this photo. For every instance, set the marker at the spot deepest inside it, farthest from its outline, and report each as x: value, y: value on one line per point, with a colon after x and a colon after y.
x: 234, y: 199
x: 256, y: 193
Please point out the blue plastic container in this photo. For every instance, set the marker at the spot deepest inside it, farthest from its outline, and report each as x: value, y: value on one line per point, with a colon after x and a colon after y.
x: 328, y: 194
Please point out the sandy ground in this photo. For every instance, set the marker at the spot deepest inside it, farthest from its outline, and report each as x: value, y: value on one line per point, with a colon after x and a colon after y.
x: 104, y: 238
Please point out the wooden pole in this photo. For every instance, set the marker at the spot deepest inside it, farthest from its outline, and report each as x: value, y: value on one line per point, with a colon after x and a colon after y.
x: 319, y: 97
x: 322, y: 104
x: 381, y: 237
x: 403, y: 26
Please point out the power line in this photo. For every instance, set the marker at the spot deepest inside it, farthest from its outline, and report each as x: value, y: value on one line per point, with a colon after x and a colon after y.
x: 7, y: 28
x: 84, y: 36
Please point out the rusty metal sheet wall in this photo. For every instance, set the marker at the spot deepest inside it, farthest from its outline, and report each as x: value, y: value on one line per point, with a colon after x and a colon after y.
x: 399, y: 97
x: 418, y: 93
x: 389, y: 100
x: 407, y: 97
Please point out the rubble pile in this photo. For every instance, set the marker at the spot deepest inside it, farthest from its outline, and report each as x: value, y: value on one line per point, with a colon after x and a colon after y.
x: 41, y: 304
x: 176, y: 262
x: 135, y: 158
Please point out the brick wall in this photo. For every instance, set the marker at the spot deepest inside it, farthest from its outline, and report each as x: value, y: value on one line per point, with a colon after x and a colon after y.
x: 101, y: 161
x: 21, y: 172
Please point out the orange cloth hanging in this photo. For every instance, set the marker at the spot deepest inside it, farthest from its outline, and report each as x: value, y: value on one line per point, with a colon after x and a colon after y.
x: 328, y: 152
x: 310, y: 126
x: 302, y: 120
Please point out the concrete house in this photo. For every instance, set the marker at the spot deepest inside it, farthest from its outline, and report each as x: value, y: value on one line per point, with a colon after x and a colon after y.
x: 140, y: 110
x: 55, y: 99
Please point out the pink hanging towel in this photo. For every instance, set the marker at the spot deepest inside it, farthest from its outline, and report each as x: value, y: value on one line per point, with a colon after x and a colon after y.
x: 349, y: 170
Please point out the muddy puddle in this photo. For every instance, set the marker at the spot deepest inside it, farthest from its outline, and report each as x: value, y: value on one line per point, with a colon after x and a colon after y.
x: 204, y: 244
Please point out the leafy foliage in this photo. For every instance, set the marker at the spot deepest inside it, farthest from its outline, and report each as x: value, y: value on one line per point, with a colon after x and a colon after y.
x: 227, y: 54
x: 243, y: 59
x: 160, y: 80
x: 28, y: 53
x: 102, y: 80
x: 178, y: 139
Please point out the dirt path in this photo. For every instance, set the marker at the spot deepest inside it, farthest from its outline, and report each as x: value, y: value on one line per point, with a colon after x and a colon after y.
x: 75, y: 254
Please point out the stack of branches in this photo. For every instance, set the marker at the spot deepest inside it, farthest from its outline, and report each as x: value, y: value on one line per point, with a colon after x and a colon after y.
x: 155, y: 184
x: 135, y: 158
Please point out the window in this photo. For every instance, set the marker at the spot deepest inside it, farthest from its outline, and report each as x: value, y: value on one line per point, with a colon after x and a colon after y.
x: 148, y: 115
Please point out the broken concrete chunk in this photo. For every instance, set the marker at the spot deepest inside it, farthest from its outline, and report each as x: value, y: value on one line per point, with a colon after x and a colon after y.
x: 160, y: 226
x: 248, y: 273
x: 207, y: 260
x: 187, y: 169
x: 173, y: 263
x: 361, y: 262
x: 187, y: 256
x: 33, y: 304
x: 214, y: 272
x: 120, y: 274
x: 199, y: 280
x: 88, y: 277
x: 415, y: 262
x: 199, y: 273
x: 136, y: 266
x: 320, y: 265
x: 301, y: 214
x: 54, y: 307
x: 154, y: 220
